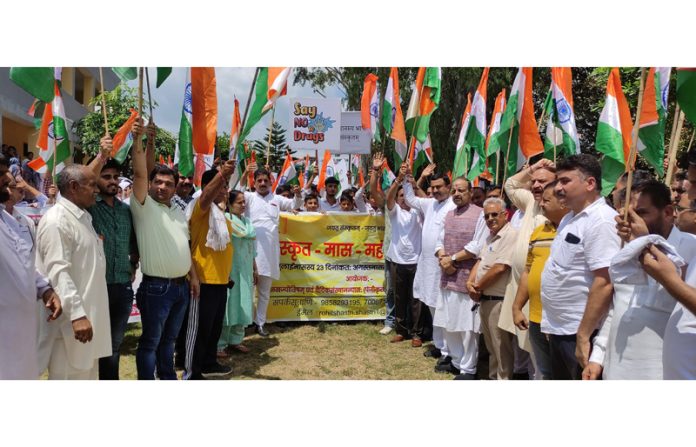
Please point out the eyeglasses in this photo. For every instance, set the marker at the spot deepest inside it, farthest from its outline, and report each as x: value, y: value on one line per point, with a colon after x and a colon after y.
x: 491, y: 215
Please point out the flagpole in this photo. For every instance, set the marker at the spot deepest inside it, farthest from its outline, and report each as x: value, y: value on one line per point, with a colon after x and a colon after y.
x: 415, y: 124
x: 673, y: 149
x: 543, y: 112
x: 507, y: 156
x: 691, y: 141
x: 103, y: 101
x: 140, y: 91
x: 634, y: 143
x: 270, y: 134
x: 497, y: 165
x: 251, y: 91
x: 149, y: 96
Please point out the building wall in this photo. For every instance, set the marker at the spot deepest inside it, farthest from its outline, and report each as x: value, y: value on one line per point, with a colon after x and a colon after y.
x: 17, y: 128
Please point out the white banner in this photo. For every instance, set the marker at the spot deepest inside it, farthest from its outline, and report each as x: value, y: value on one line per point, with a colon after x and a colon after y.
x: 315, y: 124
x: 354, y: 139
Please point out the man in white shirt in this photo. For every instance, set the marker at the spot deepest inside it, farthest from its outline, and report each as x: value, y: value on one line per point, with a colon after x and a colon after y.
x: 72, y: 255
x: 329, y: 202
x: 426, y: 285
x: 404, y: 249
x: 22, y: 285
x: 679, y: 343
x: 576, y: 290
x: 629, y: 344
x: 263, y: 208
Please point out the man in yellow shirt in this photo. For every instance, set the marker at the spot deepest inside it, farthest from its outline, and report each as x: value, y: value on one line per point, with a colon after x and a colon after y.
x: 211, y: 254
x: 530, y: 281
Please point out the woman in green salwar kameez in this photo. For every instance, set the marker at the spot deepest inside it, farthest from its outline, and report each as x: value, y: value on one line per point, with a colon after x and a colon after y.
x: 238, y: 314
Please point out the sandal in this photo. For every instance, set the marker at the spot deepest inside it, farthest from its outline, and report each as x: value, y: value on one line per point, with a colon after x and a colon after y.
x: 222, y: 354
x: 240, y: 348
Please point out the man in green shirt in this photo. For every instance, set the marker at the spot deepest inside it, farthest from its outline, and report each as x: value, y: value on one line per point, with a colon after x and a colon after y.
x: 113, y: 223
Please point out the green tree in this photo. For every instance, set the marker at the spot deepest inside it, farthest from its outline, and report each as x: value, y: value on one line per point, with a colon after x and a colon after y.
x: 119, y: 101
x: 278, y: 147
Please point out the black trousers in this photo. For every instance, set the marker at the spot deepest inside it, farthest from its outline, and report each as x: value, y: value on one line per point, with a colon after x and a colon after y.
x: 204, y: 328
x: 410, y: 311
x: 564, y: 364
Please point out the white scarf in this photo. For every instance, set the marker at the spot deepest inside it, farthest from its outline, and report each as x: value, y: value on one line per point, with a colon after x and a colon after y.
x: 218, y: 237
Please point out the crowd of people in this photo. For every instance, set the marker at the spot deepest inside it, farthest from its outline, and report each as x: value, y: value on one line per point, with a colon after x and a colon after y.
x: 546, y: 276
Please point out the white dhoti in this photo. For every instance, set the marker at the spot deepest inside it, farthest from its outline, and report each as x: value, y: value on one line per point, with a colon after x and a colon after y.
x: 461, y: 326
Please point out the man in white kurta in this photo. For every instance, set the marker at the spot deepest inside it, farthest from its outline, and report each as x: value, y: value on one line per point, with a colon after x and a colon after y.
x: 22, y: 285
x: 71, y: 254
x: 426, y: 285
x: 263, y: 209
x: 630, y: 341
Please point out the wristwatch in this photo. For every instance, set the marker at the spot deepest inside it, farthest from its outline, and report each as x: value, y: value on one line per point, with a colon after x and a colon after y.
x: 453, y: 257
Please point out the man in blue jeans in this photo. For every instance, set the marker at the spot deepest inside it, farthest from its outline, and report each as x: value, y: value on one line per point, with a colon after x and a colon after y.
x: 112, y: 221
x: 163, y: 242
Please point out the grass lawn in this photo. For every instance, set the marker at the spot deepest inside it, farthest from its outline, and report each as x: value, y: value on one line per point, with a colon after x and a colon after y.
x: 315, y: 351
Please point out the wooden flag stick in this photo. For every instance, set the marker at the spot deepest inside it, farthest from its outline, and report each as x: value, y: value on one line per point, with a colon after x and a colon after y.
x: 543, y: 112
x: 634, y: 144
x: 140, y: 91
x: 270, y: 134
x: 497, y: 165
x: 671, y: 138
x: 103, y: 101
x: 674, y: 147
x: 691, y: 141
x: 507, y: 156
x: 149, y: 96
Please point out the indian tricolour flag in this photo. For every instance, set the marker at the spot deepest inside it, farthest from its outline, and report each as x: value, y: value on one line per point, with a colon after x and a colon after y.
x: 461, y: 156
x: 287, y: 174
x: 476, y: 134
x: 328, y: 169
x: 614, y: 133
x: 561, y: 134
x: 686, y: 92
x: 393, y: 117
x: 423, y: 154
x: 653, y: 116
x: 277, y: 85
x: 496, y: 118
x: 123, y: 140
x: 388, y: 176
x: 185, y: 131
x: 425, y: 98
x: 236, y: 127
x: 369, y: 106
x: 518, y: 125
x: 54, y: 142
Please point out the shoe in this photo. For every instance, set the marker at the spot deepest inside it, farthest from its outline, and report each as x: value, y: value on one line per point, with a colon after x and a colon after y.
x: 447, y: 368
x: 520, y: 376
x: 397, y: 338
x: 261, y: 331
x: 197, y: 377
x: 217, y: 370
x: 239, y: 348
x: 433, y: 352
x: 444, y: 360
x: 465, y: 377
x: 386, y: 330
x: 416, y: 342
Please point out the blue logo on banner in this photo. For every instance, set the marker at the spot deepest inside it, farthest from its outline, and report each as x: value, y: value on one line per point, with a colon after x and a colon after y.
x: 320, y: 124
x: 564, y: 111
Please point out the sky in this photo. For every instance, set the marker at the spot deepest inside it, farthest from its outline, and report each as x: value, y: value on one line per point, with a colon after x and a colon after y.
x: 231, y: 81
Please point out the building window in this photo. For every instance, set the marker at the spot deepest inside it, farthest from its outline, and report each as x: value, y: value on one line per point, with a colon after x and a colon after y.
x: 79, y: 83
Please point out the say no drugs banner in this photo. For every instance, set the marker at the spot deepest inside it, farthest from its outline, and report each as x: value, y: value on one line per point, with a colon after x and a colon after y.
x: 331, y: 268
